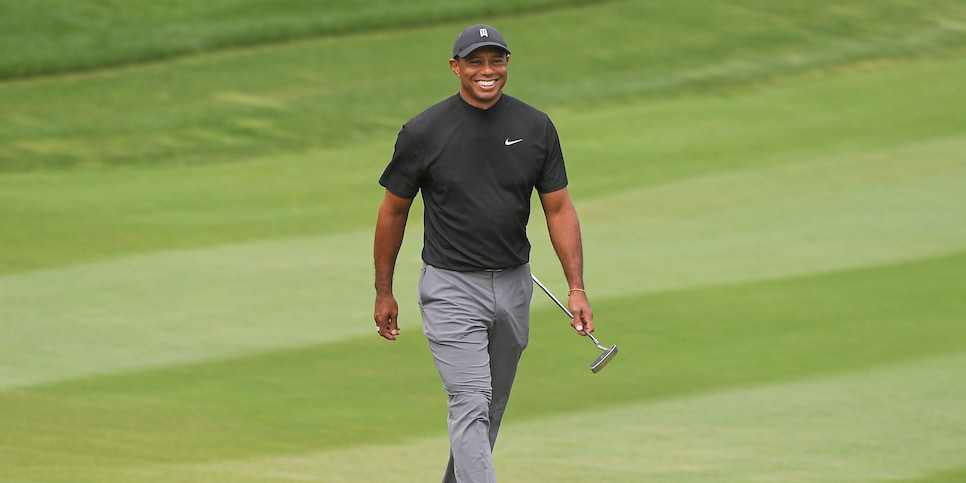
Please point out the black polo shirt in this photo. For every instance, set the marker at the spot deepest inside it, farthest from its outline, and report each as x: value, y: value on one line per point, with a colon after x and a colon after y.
x: 476, y: 169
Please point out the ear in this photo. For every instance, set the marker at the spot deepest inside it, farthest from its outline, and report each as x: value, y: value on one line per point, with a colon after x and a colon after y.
x: 455, y: 66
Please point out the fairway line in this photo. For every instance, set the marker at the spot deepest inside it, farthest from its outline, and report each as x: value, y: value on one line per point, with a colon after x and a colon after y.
x: 898, y: 421
x: 816, y: 215
x: 857, y: 210
x: 190, y: 306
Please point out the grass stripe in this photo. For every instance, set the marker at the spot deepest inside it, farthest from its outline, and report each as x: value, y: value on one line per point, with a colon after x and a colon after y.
x: 179, y: 307
x: 64, y: 218
x: 59, y: 218
x: 55, y: 36
x: 323, y: 93
x: 857, y: 209
x: 897, y: 423
x: 321, y: 398
x: 641, y: 143
x: 947, y: 476
x: 774, y: 222
x: 867, y: 426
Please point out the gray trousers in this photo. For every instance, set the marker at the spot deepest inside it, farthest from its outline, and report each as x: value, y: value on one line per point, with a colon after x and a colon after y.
x: 477, y: 324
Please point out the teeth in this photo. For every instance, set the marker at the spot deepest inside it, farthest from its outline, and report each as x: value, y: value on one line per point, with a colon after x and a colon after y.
x: 486, y: 83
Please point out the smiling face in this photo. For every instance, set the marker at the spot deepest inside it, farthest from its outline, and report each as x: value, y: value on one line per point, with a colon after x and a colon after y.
x: 482, y: 75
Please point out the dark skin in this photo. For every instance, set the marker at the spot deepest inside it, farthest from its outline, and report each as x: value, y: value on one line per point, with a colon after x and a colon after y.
x: 482, y: 74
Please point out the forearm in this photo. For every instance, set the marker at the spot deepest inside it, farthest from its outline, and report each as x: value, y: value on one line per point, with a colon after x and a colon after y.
x: 390, y: 229
x: 564, y: 229
x: 565, y: 236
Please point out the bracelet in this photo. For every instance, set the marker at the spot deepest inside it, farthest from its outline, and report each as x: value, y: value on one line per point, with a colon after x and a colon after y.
x: 576, y: 290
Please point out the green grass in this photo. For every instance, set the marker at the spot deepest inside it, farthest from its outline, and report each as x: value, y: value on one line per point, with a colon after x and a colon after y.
x: 312, y: 399
x: 55, y: 36
x: 320, y: 94
x: 770, y: 197
x: 74, y: 214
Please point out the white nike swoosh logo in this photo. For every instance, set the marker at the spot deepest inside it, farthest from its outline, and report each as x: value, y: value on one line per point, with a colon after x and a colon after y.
x: 511, y: 143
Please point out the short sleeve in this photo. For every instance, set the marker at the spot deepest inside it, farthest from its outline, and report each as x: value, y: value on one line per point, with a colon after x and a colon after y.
x: 403, y: 176
x: 553, y: 176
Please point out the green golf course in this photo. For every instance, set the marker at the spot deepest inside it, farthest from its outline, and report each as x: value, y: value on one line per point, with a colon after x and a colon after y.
x: 772, y: 197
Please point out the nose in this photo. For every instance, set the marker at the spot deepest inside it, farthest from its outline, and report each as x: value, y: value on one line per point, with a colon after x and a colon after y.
x: 487, y: 67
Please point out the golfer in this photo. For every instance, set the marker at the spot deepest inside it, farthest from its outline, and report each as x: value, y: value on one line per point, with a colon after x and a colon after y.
x: 476, y: 157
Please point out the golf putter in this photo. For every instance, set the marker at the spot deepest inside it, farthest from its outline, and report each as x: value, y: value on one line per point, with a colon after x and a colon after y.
x: 609, y: 352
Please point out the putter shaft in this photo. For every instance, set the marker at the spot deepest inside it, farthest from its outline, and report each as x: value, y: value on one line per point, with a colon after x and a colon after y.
x: 552, y: 297
x: 564, y: 308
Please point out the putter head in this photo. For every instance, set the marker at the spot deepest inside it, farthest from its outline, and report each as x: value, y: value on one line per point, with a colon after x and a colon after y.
x: 604, y: 358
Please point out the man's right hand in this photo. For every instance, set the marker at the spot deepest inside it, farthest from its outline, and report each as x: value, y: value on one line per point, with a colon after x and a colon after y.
x: 390, y: 228
x: 386, y: 315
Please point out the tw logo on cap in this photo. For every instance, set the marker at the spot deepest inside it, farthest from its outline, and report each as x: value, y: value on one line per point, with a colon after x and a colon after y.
x: 474, y: 37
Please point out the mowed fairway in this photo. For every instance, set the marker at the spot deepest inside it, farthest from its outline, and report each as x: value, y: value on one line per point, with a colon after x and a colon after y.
x: 773, y: 201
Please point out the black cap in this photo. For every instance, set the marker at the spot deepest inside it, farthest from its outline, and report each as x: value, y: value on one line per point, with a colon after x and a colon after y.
x: 480, y: 35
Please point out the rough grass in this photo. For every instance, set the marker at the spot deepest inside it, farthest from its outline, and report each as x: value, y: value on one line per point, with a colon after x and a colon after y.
x: 56, y: 36
x: 327, y: 93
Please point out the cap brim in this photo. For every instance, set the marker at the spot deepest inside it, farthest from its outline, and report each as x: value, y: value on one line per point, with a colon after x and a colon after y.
x: 466, y: 51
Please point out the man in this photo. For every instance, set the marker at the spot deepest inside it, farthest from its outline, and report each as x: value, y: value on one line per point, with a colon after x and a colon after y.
x: 476, y: 157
